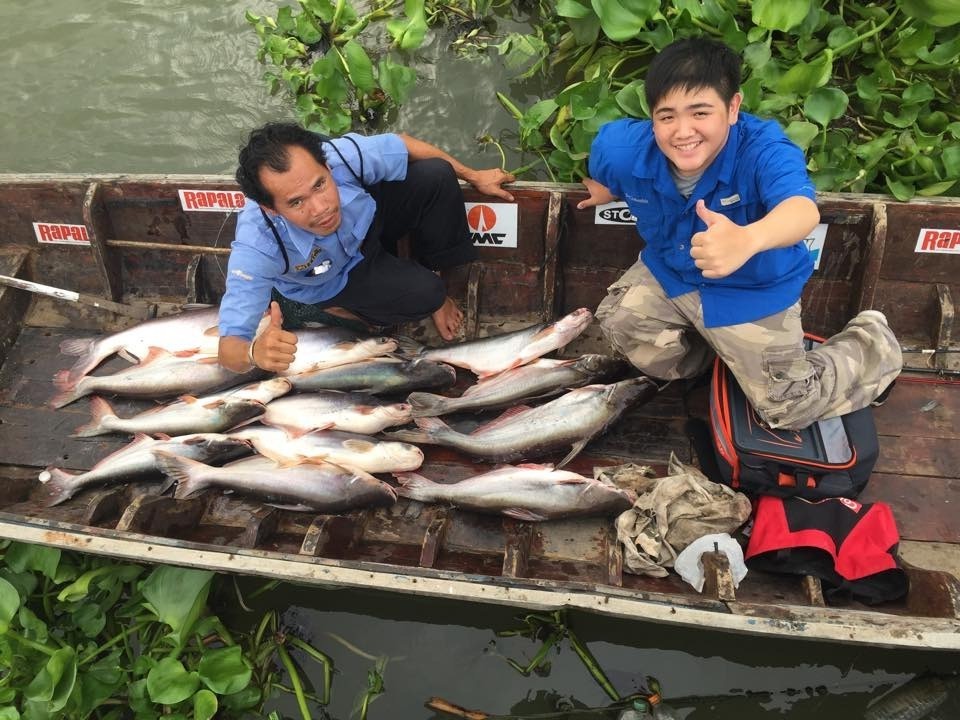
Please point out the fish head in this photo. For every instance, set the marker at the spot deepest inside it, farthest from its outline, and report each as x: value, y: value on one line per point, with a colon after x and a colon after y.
x: 273, y: 388
x: 379, y: 345
x: 396, y: 413
x: 575, y: 323
x: 402, y: 456
x: 626, y: 392
x: 601, y: 367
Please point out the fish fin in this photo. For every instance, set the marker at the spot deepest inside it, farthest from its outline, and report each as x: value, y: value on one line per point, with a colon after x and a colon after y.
x: 178, y: 470
x: 128, y: 356
x: 154, y: 354
x: 408, y: 347
x: 208, y: 360
x: 213, y: 404
x: 360, y: 446
x: 574, y: 451
x: 212, y: 331
x: 536, y: 466
x: 77, y: 346
x: 484, y: 374
x: 100, y: 411
x: 424, y: 404
x: 409, y: 435
x: 503, y: 418
x: 144, y: 439
x: 296, y: 508
x: 162, y: 436
x: 523, y: 514
x: 413, y: 486
x: 57, y: 486
x: 63, y: 381
x: 431, y: 425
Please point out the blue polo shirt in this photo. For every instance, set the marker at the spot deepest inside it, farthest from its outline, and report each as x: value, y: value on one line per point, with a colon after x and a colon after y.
x: 757, y: 168
x: 256, y: 264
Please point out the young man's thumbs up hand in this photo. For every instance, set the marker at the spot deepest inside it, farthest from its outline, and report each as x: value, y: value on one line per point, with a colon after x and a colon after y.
x: 274, y: 348
x: 723, y: 247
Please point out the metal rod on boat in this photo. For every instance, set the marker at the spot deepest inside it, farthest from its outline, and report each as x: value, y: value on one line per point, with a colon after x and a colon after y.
x: 140, y: 313
x: 170, y: 247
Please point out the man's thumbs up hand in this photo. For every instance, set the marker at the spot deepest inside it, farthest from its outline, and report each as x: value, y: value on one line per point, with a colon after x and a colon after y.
x: 274, y: 348
x: 723, y: 247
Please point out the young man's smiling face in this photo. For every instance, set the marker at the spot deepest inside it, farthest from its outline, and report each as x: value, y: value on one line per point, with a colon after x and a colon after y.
x: 692, y: 126
x: 305, y: 194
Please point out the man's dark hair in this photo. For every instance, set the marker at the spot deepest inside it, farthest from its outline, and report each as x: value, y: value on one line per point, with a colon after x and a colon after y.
x: 693, y: 64
x: 267, y: 146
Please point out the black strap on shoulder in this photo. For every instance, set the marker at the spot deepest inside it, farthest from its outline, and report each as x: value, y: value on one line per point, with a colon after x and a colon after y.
x: 276, y: 235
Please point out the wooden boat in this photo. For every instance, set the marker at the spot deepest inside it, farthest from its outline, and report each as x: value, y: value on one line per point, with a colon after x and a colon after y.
x: 148, y: 244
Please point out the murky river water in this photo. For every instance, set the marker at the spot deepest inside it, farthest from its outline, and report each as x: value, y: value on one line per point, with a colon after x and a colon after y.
x: 172, y: 86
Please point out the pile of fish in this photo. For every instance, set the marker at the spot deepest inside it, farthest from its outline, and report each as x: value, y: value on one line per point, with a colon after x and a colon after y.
x: 314, y: 437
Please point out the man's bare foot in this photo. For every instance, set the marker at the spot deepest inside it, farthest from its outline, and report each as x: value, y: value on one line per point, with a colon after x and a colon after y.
x: 448, y: 319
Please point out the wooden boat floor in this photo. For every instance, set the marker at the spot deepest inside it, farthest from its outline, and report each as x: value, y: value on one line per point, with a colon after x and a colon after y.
x: 918, y: 474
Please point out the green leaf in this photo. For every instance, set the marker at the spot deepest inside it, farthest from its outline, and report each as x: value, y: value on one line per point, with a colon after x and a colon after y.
x: 633, y: 100
x: 802, y: 133
x: 9, y: 604
x: 900, y: 190
x: 359, y: 67
x: 397, y: 81
x: 9, y: 713
x: 574, y: 9
x: 177, y: 595
x: 941, y: 13
x: 323, y: 10
x: 841, y: 35
x: 945, y: 53
x: 906, y: 118
x: 243, y: 700
x: 169, y: 682
x: 224, y: 670
x: 938, y: 188
x: 951, y: 161
x: 80, y: 587
x: 804, y: 77
x: 918, y: 94
x: 522, y: 53
x: 623, y: 20
x: 825, y: 104
x: 55, y: 681
x: 780, y: 15
x: 33, y: 627
x: 408, y: 33
x: 756, y: 55
x: 204, y: 705
x: 90, y: 619
x: 21, y: 557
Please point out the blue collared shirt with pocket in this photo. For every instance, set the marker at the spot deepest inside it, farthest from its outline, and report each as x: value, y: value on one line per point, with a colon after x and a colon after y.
x: 757, y: 169
x: 318, y: 266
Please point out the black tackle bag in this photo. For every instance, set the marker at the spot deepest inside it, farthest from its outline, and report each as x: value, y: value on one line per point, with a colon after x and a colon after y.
x: 831, y: 458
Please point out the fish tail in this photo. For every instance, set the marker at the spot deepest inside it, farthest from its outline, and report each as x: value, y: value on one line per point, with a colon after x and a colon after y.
x: 413, y: 486
x: 57, y: 486
x: 181, y: 471
x: 68, y: 390
x: 424, y: 404
x: 101, y: 411
x: 408, y: 347
x: 428, y: 430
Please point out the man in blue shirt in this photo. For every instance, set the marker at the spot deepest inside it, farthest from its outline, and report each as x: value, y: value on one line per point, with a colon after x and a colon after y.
x: 723, y: 202
x: 318, y: 237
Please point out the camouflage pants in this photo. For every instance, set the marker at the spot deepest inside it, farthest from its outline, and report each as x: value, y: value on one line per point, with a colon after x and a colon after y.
x: 789, y: 386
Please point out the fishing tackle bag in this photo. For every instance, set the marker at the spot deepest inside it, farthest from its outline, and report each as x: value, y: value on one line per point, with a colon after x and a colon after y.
x: 831, y: 458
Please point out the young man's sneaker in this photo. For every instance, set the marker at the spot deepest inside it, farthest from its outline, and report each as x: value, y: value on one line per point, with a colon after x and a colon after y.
x: 882, y: 397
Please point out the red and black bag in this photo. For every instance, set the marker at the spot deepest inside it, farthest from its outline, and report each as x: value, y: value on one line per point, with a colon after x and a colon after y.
x: 831, y: 458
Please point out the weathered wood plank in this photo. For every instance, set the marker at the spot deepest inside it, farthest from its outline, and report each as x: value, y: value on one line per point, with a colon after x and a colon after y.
x: 925, y: 508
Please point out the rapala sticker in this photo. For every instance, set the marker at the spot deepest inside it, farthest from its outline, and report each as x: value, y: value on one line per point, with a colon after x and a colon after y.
x: 933, y: 240
x: 815, y: 241
x: 61, y: 234
x: 211, y: 200
x: 492, y: 224
x: 615, y: 213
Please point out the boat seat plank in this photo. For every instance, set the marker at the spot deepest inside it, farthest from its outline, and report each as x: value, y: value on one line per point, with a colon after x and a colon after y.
x: 921, y: 407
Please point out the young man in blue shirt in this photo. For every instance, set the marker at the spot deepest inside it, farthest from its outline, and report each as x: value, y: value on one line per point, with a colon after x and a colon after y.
x: 318, y: 237
x: 723, y: 202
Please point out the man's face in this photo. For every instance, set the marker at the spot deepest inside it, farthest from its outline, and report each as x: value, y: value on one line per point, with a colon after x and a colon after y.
x: 691, y: 127
x: 306, y: 194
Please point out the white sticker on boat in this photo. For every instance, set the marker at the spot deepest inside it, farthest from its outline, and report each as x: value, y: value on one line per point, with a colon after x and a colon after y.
x: 815, y: 241
x: 937, y: 240
x: 61, y: 234
x: 615, y: 213
x: 211, y: 200
x: 492, y: 224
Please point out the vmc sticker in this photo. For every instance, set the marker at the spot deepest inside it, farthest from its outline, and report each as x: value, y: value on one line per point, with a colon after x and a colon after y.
x: 492, y: 224
x: 614, y: 213
x: 61, y: 233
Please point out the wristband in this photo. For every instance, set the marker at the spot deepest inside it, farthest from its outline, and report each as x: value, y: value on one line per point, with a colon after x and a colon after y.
x: 253, y: 363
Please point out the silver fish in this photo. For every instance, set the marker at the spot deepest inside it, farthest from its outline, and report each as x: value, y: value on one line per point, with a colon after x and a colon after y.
x: 525, y: 492
x: 334, y: 410
x: 348, y: 450
x: 136, y: 461
x: 321, y: 487
x: 159, y: 374
x: 378, y: 376
x: 541, y: 378
x: 191, y: 331
x: 913, y: 700
x: 189, y: 415
x: 494, y: 354
x: 572, y: 419
x: 326, y: 347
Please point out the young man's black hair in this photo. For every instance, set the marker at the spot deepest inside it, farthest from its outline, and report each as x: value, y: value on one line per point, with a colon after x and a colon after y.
x: 693, y: 64
x: 267, y: 146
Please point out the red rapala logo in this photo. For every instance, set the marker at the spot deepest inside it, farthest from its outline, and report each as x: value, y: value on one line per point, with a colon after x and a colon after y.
x: 211, y: 200
x: 938, y: 241
x: 482, y: 219
x: 852, y: 504
x: 61, y: 233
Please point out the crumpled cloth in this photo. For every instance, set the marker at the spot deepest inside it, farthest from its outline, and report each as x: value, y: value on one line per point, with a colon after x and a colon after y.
x: 670, y: 513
